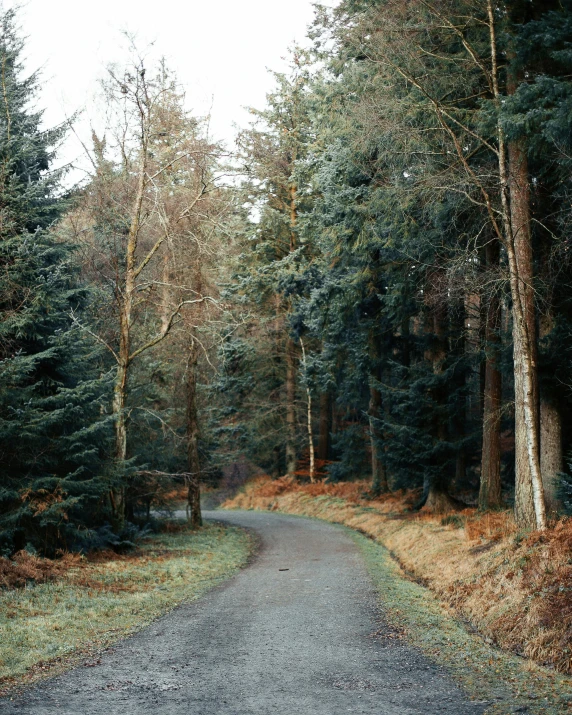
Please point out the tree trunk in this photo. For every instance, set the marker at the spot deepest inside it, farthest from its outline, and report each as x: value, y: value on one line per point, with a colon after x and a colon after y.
x: 323, y: 452
x: 118, y: 411
x: 309, y: 417
x: 490, y: 496
x: 291, y: 374
x: 483, y: 342
x: 379, y: 483
x: 194, y: 514
x: 117, y: 496
x: 520, y: 220
x: 166, y: 298
x: 458, y: 425
x: 125, y: 299
x: 276, y: 462
x: 336, y: 420
x: 551, y: 456
x: 515, y: 234
x: 193, y: 485
x: 436, y: 486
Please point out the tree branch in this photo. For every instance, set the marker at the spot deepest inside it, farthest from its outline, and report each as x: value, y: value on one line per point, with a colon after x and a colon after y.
x: 96, y: 337
x: 169, y: 324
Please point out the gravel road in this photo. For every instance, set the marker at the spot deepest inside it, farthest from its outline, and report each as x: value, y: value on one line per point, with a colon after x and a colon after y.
x: 297, y: 632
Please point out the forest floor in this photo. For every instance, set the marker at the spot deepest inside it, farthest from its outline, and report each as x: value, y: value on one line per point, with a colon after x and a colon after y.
x: 492, y: 604
x: 57, y: 614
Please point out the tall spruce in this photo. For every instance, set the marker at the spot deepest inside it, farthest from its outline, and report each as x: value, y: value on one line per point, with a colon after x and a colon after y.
x: 52, y: 433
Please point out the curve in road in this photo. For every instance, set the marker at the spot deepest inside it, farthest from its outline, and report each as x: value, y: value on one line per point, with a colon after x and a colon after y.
x: 298, y: 631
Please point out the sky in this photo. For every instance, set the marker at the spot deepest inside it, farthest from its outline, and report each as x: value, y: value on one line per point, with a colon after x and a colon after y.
x: 220, y: 51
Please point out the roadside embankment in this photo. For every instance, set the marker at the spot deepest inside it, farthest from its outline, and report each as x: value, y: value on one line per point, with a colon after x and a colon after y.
x: 67, y: 611
x: 514, y: 589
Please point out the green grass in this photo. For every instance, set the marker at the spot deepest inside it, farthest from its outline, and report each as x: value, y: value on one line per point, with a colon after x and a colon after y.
x: 482, y: 670
x: 50, y: 626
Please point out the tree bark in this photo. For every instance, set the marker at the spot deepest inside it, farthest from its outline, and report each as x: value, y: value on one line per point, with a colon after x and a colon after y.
x: 530, y: 508
x: 117, y: 495
x: 323, y: 452
x: 291, y: 375
x: 457, y: 348
x: 118, y: 410
x: 490, y: 496
x: 194, y: 514
x: 533, y: 490
x: 193, y: 457
x: 551, y: 456
x: 436, y: 486
x: 166, y: 298
x: 124, y: 357
x: 520, y: 219
x: 379, y: 483
x: 309, y: 417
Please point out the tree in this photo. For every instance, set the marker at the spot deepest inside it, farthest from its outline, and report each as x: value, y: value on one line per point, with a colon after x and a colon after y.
x: 457, y: 50
x: 533, y: 119
x: 272, y: 151
x: 53, y: 437
x: 138, y: 206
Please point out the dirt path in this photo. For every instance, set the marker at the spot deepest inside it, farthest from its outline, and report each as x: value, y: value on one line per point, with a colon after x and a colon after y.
x: 298, y: 631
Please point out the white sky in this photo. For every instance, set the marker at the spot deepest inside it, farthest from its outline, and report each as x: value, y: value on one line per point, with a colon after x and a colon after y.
x: 220, y: 50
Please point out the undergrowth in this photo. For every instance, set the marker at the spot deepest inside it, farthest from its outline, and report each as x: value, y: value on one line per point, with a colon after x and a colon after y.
x: 25, y: 568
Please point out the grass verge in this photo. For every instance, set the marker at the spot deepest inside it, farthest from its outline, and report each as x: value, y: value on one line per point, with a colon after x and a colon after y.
x: 48, y: 627
x: 514, y: 590
x: 516, y: 684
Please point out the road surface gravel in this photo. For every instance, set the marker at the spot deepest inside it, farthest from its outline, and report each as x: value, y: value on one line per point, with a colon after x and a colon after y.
x: 299, y: 631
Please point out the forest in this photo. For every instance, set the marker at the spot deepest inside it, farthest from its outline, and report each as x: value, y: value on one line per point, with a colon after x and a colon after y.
x: 374, y: 283
x: 358, y: 311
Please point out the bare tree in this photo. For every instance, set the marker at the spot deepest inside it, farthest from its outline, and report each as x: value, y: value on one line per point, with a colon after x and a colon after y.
x: 137, y: 204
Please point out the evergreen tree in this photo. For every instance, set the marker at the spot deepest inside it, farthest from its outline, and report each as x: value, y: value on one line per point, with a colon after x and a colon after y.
x: 537, y: 114
x: 52, y: 433
x: 273, y: 152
